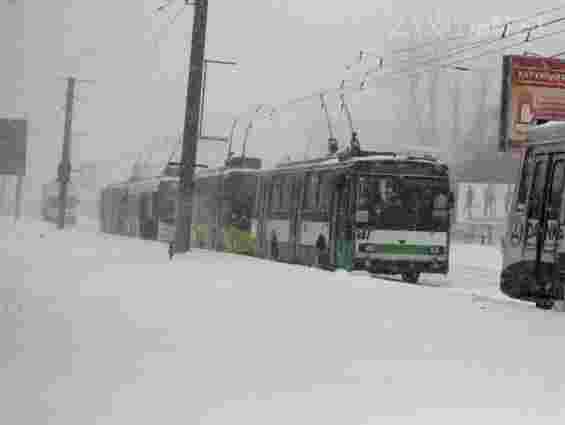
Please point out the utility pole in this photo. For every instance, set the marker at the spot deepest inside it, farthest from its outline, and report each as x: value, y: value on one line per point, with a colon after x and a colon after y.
x: 64, y: 170
x: 191, y: 128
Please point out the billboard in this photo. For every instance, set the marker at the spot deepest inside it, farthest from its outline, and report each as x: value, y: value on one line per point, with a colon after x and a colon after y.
x: 483, y: 202
x: 533, y: 90
x: 13, y: 141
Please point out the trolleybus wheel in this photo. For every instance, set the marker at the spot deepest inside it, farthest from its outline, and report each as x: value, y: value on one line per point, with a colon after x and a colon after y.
x: 411, y: 277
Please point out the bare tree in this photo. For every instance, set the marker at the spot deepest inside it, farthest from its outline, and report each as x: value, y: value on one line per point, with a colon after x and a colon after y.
x: 436, y: 98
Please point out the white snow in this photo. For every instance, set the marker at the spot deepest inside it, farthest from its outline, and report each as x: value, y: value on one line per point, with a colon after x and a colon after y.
x: 112, y: 332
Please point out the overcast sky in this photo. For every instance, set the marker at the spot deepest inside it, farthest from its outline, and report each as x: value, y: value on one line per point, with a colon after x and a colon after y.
x: 284, y: 49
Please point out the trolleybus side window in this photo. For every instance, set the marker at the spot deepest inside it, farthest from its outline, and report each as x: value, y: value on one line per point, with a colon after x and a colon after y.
x: 556, y: 193
x: 313, y: 191
x: 325, y: 191
x: 525, y: 181
x: 276, y: 195
x: 537, y: 189
x: 307, y: 200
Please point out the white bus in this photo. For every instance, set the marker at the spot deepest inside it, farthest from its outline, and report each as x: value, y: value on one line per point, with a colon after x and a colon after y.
x: 387, y: 213
x: 533, y: 266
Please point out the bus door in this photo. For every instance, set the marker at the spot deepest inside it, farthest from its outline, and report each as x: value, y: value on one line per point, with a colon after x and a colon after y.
x: 341, y: 248
x: 552, y: 251
x: 262, y: 216
x: 536, y: 217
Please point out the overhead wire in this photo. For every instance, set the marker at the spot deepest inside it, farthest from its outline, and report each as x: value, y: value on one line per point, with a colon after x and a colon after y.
x: 506, y: 24
x: 435, y: 62
x: 475, y: 45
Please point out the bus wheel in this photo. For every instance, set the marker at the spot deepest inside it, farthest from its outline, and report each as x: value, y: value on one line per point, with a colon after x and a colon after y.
x: 544, y: 304
x: 411, y: 277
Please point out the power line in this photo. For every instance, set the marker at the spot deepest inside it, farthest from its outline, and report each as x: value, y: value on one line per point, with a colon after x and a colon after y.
x: 493, y: 51
x: 478, y: 44
x: 435, y: 61
x: 493, y: 28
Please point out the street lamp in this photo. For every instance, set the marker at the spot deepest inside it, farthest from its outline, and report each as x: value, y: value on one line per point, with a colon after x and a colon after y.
x: 202, y: 102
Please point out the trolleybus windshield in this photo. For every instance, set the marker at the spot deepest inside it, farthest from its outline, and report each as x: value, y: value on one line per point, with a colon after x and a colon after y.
x: 403, y: 203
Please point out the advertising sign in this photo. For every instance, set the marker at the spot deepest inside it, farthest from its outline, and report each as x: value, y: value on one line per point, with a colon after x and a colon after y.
x: 13, y: 141
x: 533, y: 90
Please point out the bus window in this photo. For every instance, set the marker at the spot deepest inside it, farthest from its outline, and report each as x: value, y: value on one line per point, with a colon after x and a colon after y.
x: 275, y: 195
x: 525, y: 181
x: 314, y: 191
x: 556, y: 193
x: 285, y: 188
x: 307, y: 201
x: 325, y: 191
x: 537, y: 189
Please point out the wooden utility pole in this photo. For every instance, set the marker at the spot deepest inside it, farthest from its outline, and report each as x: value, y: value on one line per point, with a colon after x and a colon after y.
x: 64, y: 170
x: 191, y: 128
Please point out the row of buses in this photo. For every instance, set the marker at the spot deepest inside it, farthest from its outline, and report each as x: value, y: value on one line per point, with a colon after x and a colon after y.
x: 387, y: 213
x: 384, y: 212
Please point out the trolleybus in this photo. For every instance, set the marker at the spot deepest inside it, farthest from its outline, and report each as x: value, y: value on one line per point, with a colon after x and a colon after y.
x: 387, y: 213
x: 533, y: 266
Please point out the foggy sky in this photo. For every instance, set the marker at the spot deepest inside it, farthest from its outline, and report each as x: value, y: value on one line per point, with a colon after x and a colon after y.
x: 284, y: 49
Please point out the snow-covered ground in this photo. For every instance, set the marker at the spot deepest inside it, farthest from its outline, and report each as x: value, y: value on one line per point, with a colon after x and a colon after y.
x: 106, y: 330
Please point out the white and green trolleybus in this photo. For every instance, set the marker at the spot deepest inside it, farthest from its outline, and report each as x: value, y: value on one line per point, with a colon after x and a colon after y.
x: 384, y: 212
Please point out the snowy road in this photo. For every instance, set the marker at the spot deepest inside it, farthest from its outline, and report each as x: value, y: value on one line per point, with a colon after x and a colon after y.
x: 111, y: 332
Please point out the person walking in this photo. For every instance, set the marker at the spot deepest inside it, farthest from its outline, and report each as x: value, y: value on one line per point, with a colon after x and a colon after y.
x: 320, y: 251
x: 508, y: 198
x: 171, y: 250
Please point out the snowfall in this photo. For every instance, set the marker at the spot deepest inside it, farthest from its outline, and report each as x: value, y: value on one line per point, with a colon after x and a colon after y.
x: 99, y: 329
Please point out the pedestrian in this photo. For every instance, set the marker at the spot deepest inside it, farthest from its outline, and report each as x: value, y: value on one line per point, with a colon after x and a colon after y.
x: 508, y: 198
x: 171, y: 249
x: 320, y: 250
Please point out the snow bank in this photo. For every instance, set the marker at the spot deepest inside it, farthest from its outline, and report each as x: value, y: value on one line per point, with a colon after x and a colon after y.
x: 112, y: 332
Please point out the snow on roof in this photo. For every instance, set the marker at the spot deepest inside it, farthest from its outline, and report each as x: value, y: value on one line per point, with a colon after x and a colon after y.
x: 333, y: 160
x: 225, y: 171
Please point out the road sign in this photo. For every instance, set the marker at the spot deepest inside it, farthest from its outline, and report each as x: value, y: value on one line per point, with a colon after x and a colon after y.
x: 13, y: 144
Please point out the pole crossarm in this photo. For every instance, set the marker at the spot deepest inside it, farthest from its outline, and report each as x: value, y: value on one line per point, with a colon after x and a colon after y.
x: 215, y: 138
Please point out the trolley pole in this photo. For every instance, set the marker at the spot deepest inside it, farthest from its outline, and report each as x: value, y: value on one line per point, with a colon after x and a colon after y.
x: 64, y: 170
x: 191, y: 128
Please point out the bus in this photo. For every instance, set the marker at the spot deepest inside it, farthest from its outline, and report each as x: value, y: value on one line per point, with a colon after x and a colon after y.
x: 533, y: 265
x: 50, y: 203
x: 386, y: 213
x: 222, y: 209
x: 223, y: 206
x: 144, y: 209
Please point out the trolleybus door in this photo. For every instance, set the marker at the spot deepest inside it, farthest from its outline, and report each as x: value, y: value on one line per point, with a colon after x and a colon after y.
x: 534, y: 226
x: 552, y: 254
x: 335, y: 215
x: 341, y: 230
